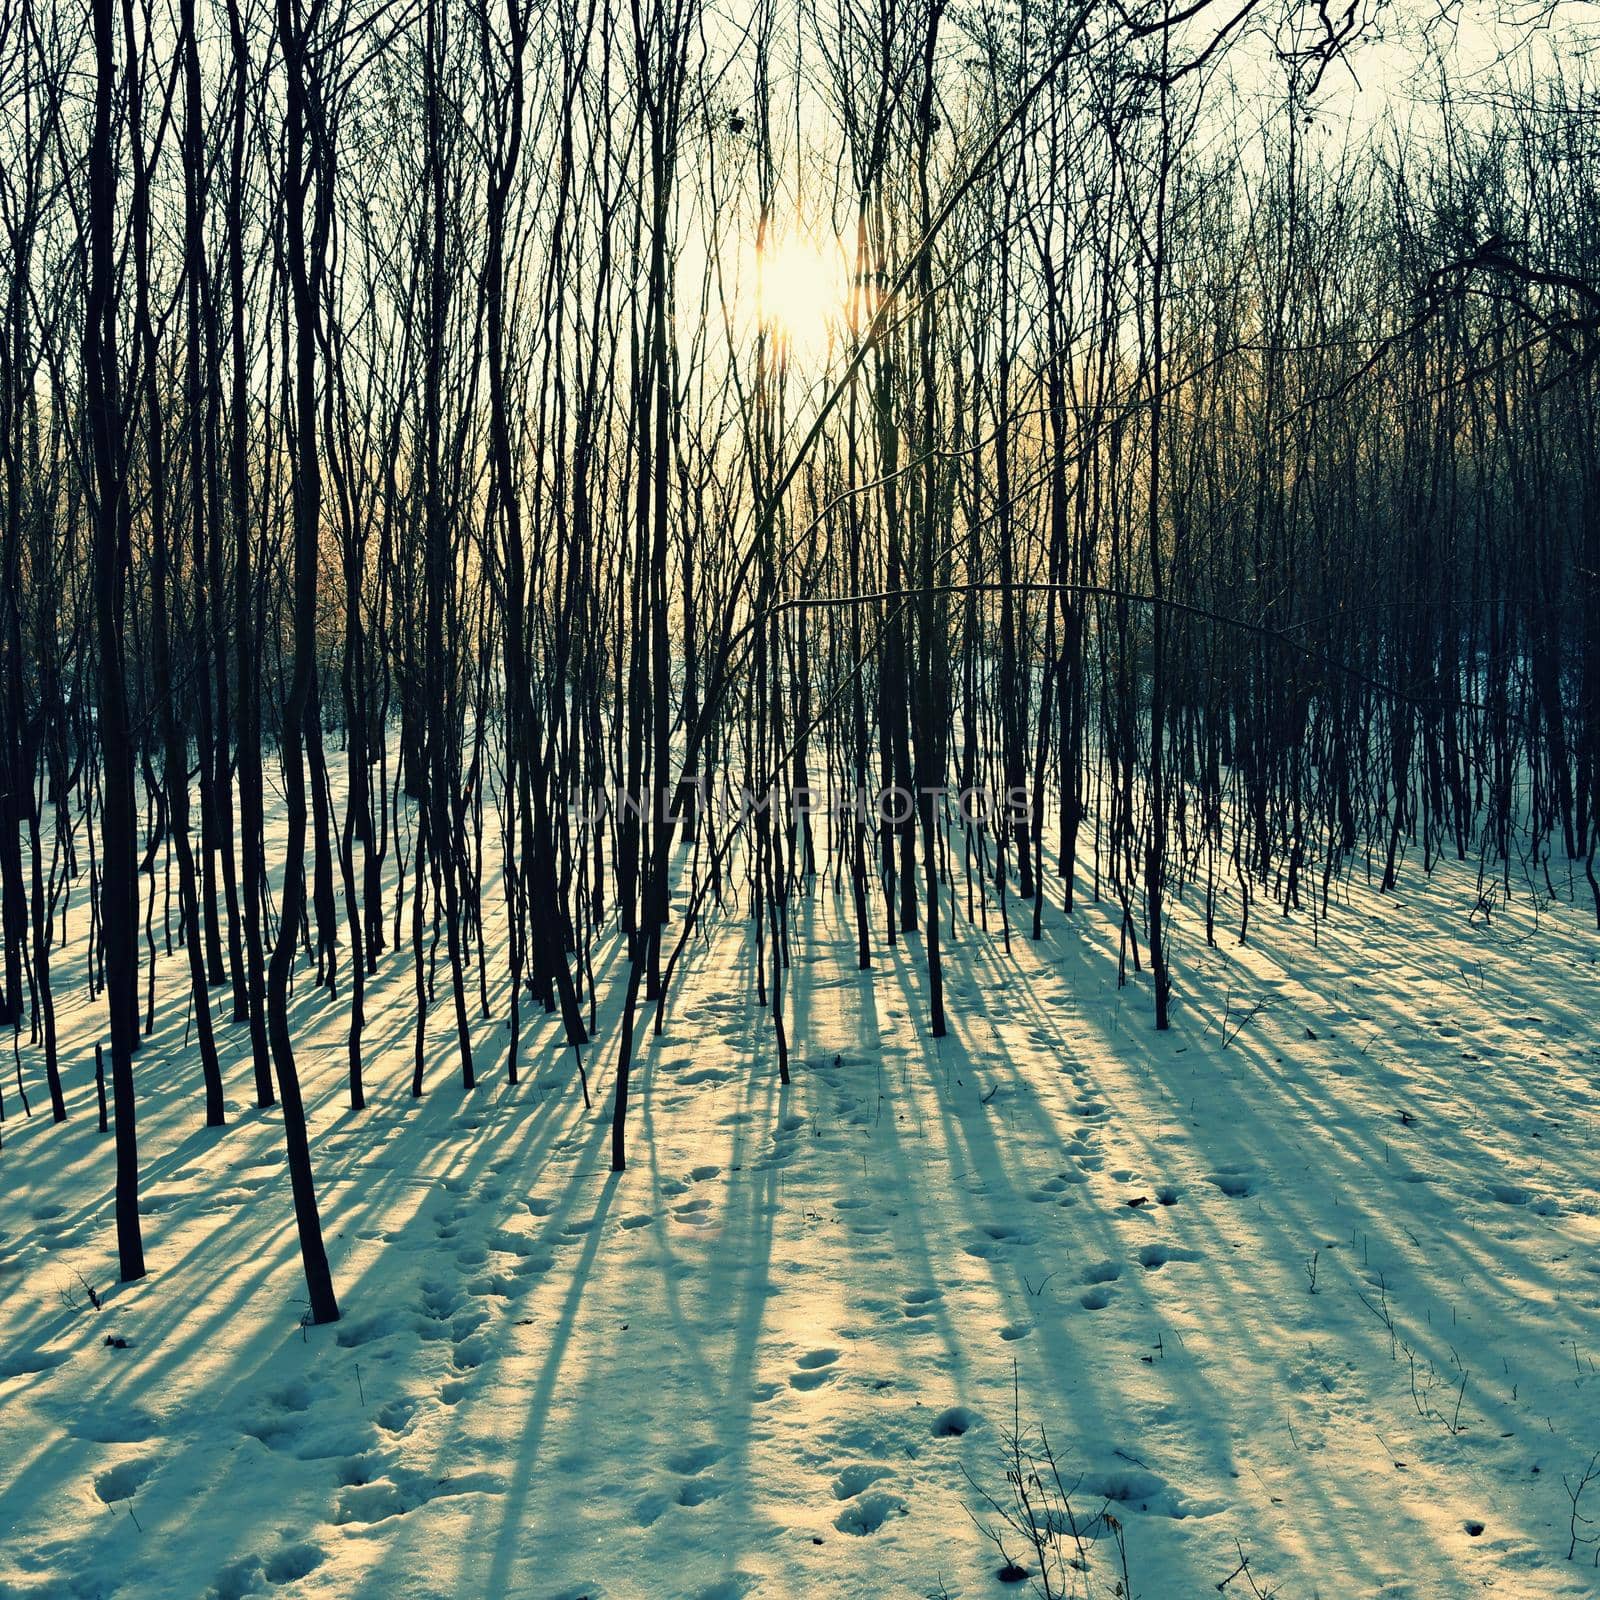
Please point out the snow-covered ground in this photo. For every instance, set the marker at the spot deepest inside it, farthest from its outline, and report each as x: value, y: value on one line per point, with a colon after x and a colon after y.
x: 1312, y: 1279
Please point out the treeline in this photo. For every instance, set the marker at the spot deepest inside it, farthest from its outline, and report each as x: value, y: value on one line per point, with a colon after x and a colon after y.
x: 431, y: 409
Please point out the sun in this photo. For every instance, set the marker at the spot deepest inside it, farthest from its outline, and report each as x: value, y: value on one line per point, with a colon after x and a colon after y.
x: 801, y: 293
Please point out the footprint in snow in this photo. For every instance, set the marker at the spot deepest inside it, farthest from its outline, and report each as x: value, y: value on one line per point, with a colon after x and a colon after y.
x: 25, y: 1363
x: 704, y: 1076
x: 507, y: 1241
x: 868, y: 1512
x: 467, y: 1322
x: 693, y: 1459
x: 355, y: 1332
x: 404, y: 1490
x: 114, y: 1425
x: 992, y: 1241
x: 123, y: 1480
x: 244, y: 1576
x: 853, y: 1479
x: 1235, y: 1182
x: 815, y: 1369
x: 953, y: 1422
x: 1154, y: 1256
x: 698, y: 1491
x: 440, y: 1301
x: 354, y: 1471
x: 394, y: 1416
x: 735, y: 1587
x: 292, y: 1563
x: 817, y: 1358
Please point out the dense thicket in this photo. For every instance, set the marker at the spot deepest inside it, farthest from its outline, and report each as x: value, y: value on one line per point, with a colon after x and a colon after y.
x: 506, y: 431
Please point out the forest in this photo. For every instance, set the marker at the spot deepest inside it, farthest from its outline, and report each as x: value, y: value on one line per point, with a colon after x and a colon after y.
x: 799, y: 797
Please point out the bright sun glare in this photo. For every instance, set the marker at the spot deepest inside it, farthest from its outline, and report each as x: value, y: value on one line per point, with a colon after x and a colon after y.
x: 803, y: 290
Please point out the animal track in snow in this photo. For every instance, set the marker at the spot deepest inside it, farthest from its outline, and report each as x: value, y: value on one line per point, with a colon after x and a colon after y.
x: 467, y: 1322
x: 308, y: 1438
x: 1153, y: 1256
x: 355, y: 1471
x: 868, y: 1512
x: 395, y: 1415
x: 693, y: 1459
x: 25, y: 1363
x: 856, y: 1219
x: 404, y: 1491
x: 121, y: 1481
x: 1235, y: 1182
x: 993, y: 1240
x: 735, y: 1587
x: 114, y: 1425
x: 1057, y: 1188
x: 853, y: 1479
x: 355, y: 1332
x: 508, y: 1242
x: 815, y: 1369
x: 288, y: 1565
x: 704, y: 1076
x: 648, y: 1509
x: 1145, y: 1491
x: 953, y: 1422
x: 292, y: 1562
x: 697, y: 1491
x: 440, y: 1300
x: 471, y: 1352
x: 292, y: 1397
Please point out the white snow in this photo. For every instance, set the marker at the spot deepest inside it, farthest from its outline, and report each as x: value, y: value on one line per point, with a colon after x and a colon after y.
x: 777, y: 1356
